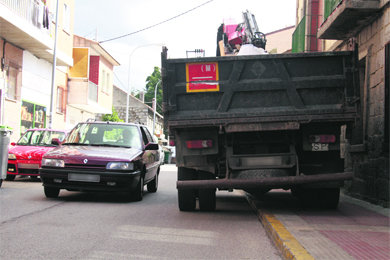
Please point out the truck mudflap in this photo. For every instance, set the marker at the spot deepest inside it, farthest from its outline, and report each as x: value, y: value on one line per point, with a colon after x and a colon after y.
x: 271, y: 182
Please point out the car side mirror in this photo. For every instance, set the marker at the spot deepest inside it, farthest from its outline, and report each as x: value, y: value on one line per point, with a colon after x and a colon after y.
x: 55, y: 141
x: 13, y: 143
x: 151, y: 146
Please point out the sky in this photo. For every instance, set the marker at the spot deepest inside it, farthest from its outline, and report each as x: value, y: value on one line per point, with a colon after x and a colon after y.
x: 139, y: 53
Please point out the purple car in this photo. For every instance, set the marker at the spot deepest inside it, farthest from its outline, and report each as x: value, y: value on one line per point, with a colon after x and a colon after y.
x: 103, y: 156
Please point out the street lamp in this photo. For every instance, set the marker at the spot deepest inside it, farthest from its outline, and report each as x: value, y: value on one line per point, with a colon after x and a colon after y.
x: 53, y: 72
x: 128, y: 75
x: 155, y: 105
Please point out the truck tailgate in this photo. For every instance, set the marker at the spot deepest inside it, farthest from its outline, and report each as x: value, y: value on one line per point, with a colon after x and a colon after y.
x: 255, y: 89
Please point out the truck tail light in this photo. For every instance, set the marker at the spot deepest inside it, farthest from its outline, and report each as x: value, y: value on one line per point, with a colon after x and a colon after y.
x: 324, y: 139
x: 199, y: 144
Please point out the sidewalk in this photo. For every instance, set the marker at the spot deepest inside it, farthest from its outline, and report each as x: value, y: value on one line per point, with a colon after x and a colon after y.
x: 356, y: 230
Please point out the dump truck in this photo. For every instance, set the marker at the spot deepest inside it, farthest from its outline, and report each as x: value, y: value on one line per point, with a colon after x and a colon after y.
x: 261, y: 122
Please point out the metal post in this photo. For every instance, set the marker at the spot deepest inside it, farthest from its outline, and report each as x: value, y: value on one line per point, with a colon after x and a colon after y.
x: 155, y: 105
x: 53, y: 73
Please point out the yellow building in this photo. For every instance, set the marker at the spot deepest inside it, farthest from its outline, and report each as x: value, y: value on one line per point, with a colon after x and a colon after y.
x: 90, y: 81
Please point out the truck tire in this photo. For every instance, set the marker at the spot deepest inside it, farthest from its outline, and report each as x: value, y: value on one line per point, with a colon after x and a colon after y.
x: 329, y: 198
x: 186, y: 198
x: 207, y: 198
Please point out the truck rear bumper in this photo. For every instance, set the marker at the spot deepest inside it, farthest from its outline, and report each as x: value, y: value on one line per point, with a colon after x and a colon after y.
x: 271, y: 182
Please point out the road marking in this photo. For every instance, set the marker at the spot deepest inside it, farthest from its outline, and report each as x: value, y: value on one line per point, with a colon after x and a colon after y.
x: 111, y: 255
x: 167, y: 235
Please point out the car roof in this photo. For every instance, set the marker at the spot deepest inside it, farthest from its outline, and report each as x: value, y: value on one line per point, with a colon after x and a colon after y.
x: 110, y: 123
x: 46, y: 129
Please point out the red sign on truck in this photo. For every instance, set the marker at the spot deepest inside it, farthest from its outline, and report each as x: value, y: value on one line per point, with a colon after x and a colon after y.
x: 202, y: 77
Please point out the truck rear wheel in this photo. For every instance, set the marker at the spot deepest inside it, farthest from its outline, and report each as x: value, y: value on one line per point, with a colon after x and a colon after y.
x: 186, y: 197
x: 207, y: 198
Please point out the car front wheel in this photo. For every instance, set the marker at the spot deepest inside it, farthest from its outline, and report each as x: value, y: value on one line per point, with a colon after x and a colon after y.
x: 10, y: 177
x: 51, y: 192
x: 138, y: 193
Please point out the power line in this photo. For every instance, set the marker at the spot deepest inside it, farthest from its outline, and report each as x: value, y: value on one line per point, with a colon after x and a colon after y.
x: 154, y: 25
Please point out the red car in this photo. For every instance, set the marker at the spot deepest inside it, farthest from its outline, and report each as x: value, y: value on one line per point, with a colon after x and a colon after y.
x: 25, y: 156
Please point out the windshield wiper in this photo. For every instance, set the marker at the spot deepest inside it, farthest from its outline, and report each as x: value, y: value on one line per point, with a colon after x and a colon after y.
x: 110, y: 145
x: 74, y: 144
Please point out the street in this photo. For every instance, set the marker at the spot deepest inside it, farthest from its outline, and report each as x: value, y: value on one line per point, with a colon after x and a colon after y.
x: 106, y: 226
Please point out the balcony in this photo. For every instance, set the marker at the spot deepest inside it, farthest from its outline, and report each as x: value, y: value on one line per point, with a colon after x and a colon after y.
x: 346, y: 18
x: 20, y: 25
x: 84, y: 95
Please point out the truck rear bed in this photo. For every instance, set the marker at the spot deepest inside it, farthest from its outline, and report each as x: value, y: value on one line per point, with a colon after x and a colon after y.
x: 256, y: 90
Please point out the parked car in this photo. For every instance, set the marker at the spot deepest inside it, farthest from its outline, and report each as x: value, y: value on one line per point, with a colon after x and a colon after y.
x: 103, y: 156
x: 24, y: 157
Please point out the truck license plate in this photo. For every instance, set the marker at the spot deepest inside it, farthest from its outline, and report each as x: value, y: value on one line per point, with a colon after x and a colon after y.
x: 318, y: 147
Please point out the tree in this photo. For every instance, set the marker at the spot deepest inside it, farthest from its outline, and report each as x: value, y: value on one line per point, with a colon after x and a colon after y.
x: 112, y: 117
x: 151, y: 82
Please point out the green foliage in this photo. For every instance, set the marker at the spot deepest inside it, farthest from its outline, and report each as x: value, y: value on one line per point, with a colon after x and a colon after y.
x: 112, y: 117
x: 151, y: 82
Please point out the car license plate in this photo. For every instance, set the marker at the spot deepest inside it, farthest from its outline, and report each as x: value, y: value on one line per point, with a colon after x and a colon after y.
x: 318, y: 147
x: 83, y: 177
x: 28, y: 165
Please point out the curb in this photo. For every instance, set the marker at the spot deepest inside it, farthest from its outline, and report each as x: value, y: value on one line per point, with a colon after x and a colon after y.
x: 289, y: 247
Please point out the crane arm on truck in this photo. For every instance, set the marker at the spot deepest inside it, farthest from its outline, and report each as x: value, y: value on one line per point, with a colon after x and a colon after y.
x: 231, y: 37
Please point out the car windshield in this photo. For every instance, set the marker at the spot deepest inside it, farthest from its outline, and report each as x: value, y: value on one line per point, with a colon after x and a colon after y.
x: 40, y: 137
x: 104, y: 135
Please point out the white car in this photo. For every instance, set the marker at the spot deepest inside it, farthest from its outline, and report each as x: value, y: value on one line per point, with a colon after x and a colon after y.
x: 160, y: 150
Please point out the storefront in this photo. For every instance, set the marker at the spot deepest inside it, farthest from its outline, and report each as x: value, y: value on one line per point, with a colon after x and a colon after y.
x: 33, y: 116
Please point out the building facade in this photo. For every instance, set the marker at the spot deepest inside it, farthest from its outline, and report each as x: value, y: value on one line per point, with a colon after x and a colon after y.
x: 279, y: 41
x: 90, y: 84
x: 27, y: 38
x: 363, y: 27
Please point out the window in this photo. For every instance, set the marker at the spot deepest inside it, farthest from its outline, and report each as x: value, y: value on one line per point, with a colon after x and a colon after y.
x: 103, y: 81
x: 60, y: 100
x: 144, y: 136
x: 108, y: 82
x: 66, y: 18
x: 33, y: 116
x: 12, y: 82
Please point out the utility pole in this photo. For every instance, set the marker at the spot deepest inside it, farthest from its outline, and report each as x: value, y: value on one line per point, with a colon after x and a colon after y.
x: 53, y: 73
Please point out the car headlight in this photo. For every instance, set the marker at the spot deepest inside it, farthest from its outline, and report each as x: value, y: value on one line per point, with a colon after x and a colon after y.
x: 120, y: 166
x: 11, y: 156
x: 53, y: 162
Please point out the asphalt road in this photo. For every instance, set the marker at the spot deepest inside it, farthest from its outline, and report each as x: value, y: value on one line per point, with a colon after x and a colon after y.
x: 106, y: 226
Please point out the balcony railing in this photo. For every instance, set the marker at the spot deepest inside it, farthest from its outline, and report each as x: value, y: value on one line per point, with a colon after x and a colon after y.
x: 343, y: 19
x: 32, y: 11
x: 329, y: 6
x: 92, y: 92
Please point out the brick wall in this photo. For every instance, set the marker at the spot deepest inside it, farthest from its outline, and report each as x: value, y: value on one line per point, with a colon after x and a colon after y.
x: 371, y: 165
